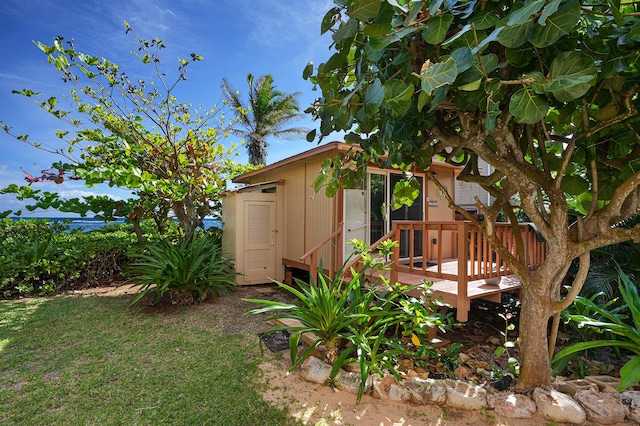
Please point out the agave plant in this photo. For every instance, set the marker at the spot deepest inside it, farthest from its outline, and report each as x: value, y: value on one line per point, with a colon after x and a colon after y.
x: 188, y: 271
x: 624, y: 330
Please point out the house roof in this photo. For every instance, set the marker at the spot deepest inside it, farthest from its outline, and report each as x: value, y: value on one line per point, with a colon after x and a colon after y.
x: 321, y: 149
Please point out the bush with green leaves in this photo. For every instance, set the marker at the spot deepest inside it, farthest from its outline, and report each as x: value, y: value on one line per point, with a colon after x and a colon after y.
x: 188, y: 270
x: 40, y: 257
x: 619, y: 324
x: 358, y: 315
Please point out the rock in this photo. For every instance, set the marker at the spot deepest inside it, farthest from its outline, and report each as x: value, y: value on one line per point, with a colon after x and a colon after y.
x: 388, y: 387
x: 381, y: 386
x: 349, y: 381
x: 604, y: 383
x: 465, y: 396
x: 631, y: 402
x: 570, y: 387
x: 315, y: 370
x: 426, y: 391
x: 558, y: 407
x: 601, y: 408
x: 513, y: 405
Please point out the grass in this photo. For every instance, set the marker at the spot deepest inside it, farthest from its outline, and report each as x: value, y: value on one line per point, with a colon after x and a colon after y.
x: 94, y: 360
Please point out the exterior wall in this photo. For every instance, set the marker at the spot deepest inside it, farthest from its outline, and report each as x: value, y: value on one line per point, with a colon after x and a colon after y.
x: 438, y: 211
x: 466, y: 191
x: 308, y: 218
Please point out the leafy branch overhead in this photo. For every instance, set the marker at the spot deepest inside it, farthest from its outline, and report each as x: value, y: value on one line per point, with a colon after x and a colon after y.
x: 545, y: 92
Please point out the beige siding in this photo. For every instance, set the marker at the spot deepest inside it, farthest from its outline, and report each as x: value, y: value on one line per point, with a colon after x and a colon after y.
x: 229, y: 224
x: 320, y: 219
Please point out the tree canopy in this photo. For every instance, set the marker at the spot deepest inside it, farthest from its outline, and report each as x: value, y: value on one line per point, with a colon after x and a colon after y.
x: 546, y: 92
x: 135, y: 134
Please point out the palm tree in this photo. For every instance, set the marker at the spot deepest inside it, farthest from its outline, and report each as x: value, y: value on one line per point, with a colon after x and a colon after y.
x: 265, y: 115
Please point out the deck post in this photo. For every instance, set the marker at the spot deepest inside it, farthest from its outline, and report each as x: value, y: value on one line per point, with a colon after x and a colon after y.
x: 463, y: 304
x: 393, y: 274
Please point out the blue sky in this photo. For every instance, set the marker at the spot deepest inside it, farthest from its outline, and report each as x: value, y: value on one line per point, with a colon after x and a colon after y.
x: 235, y: 37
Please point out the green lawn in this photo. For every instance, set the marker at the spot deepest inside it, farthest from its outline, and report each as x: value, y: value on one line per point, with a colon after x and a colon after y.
x: 95, y: 360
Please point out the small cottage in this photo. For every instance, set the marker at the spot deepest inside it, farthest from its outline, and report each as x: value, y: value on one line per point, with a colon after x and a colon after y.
x: 275, y: 224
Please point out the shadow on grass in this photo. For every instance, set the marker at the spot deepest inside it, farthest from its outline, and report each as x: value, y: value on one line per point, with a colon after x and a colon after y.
x: 95, y: 360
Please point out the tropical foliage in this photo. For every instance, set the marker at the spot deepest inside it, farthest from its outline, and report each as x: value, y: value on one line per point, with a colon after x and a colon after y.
x: 134, y: 134
x: 38, y: 257
x: 546, y: 92
x: 264, y: 115
x: 357, y: 318
x: 619, y: 324
x: 189, y: 270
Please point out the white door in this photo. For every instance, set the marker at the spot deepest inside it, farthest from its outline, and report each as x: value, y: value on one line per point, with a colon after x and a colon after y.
x: 260, y: 236
x: 355, y: 218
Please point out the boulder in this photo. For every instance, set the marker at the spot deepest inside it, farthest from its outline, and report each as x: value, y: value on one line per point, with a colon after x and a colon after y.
x: 513, y: 405
x: 426, y: 391
x: 631, y: 402
x: 558, y: 407
x: 315, y: 370
x: 465, y: 396
x: 349, y: 381
x: 601, y: 408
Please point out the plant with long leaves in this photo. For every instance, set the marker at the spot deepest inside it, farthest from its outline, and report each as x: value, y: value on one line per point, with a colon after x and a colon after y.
x: 189, y: 270
x: 623, y: 330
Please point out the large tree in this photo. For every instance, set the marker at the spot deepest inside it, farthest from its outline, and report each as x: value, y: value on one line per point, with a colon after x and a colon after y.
x: 265, y: 114
x: 132, y: 133
x: 545, y: 91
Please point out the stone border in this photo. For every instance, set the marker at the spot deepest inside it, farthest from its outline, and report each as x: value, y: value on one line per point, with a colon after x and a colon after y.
x: 568, y: 402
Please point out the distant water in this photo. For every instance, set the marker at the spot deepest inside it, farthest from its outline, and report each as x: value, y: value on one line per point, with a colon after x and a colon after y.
x: 89, y: 224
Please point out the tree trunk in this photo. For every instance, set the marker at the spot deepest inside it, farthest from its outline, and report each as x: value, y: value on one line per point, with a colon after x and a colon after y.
x: 533, y: 341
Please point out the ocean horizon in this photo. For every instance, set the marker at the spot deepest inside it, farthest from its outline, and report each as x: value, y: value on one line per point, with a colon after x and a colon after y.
x: 87, y: 224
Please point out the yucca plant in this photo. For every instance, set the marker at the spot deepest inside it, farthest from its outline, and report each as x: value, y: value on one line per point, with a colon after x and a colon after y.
x: 188, y: 271
x: 613, y: 322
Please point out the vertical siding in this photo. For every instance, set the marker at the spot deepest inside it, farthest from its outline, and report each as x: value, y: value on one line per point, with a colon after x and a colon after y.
x: 320, y: 214
x: 229, y: 225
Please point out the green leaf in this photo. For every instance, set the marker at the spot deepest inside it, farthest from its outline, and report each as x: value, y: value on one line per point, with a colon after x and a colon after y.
x: 436, y: 29
x: 397, y: 97
x: 549, y: 10
x: 493, y: 112
x: 629, y: 373
x: 329, y: 19
x: 484, y: 20
x: 516, y: 35
x: 523, y: 14
x: 557, y: 25
x: 527, y: 107
x: 574, y: 185
x: 364, y: 10
x: 622, y: 143
x: 571, y: 75
x: 345, y: 31
x: 437, y: 75
x: 374, y: 97
x: 308, y: 71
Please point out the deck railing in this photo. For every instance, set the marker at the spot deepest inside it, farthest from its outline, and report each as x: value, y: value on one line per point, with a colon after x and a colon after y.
x: 313, y: 254
x: 429, y: 245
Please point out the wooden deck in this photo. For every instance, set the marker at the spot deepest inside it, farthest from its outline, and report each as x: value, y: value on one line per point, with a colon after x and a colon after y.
x: 485, y: 288
x: 456, y: 257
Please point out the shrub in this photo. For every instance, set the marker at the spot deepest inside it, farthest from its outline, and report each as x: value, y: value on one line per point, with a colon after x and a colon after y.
x: 39, y: 257
x: 358, y: 318
x: 188, y: 270
x: 622, y: 330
